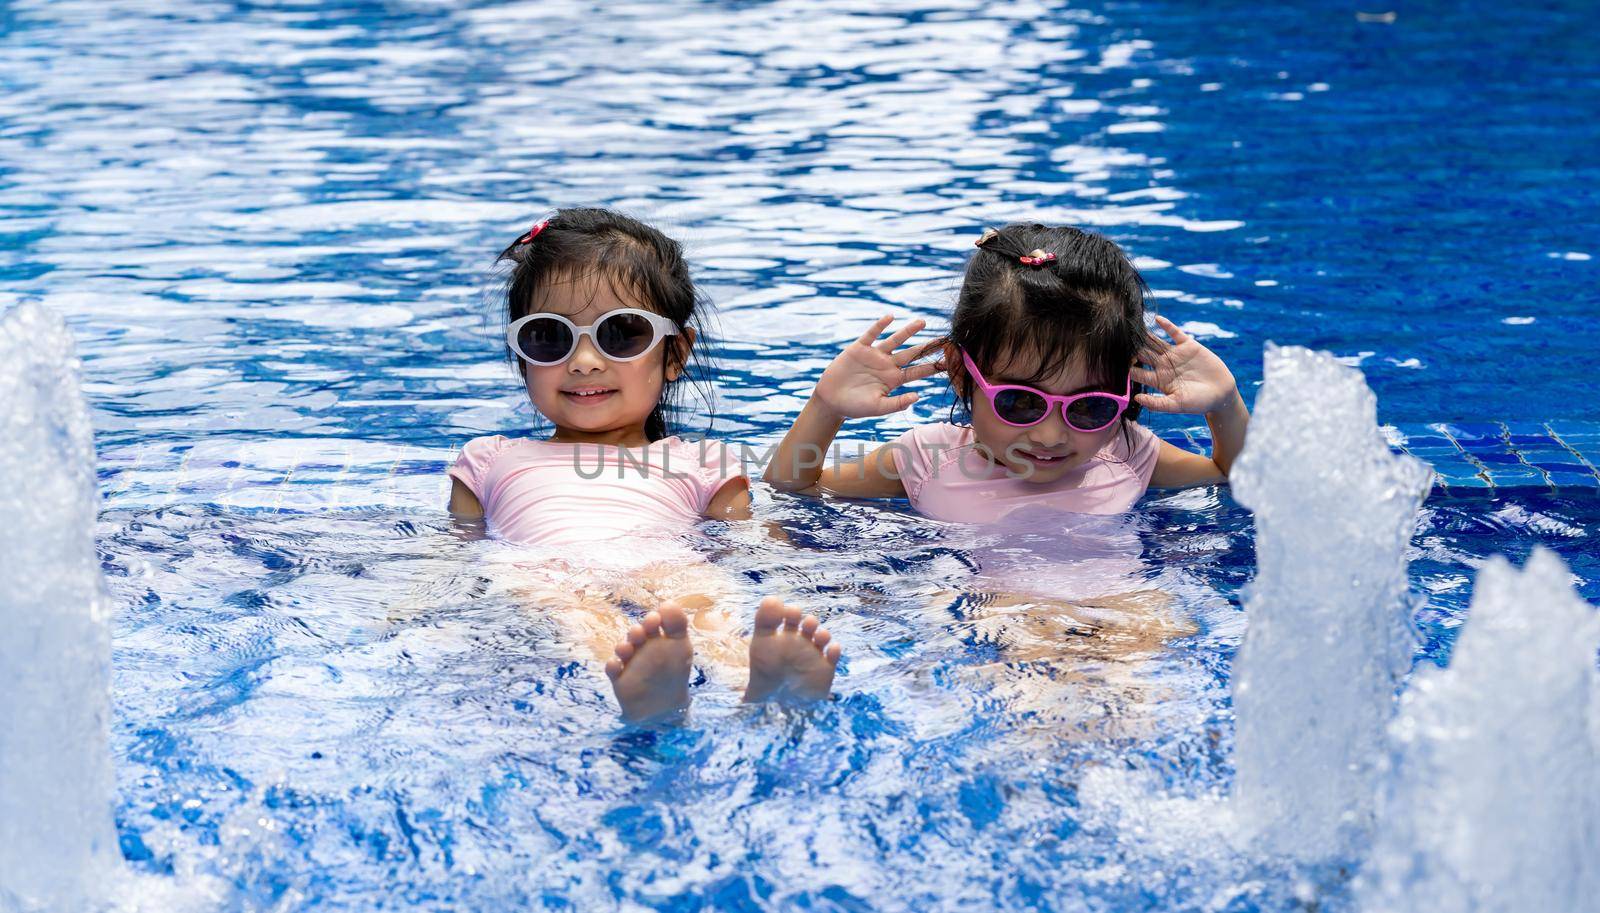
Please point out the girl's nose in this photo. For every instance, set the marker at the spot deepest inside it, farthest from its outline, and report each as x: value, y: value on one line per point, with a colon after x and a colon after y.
x: 1052, y: 432
x: 586, y: 359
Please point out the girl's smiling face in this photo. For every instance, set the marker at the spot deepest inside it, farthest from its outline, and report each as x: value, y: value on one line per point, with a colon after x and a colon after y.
x: 589, y: 397
x: 1047, y: 451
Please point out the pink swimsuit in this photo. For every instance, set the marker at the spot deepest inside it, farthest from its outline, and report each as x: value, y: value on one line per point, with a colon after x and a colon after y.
x: 553, y: 494
x: 946, y: 478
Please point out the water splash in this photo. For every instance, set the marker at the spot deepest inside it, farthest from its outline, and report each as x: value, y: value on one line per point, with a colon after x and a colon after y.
x: 56, y: 785
x: 1495, y: 802
x: 1329, y: 634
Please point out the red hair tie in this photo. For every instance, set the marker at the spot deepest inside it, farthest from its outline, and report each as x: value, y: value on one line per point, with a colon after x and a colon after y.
x: 533, y: 232
x: 1037, y: 258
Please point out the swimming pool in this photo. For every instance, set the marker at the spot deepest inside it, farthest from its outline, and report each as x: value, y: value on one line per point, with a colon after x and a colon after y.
x: 270, y: 227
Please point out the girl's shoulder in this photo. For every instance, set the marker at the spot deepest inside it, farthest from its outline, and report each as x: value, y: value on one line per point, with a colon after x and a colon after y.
x: 937, y: 436
x: 926, y: 451
x: 1129, y: 444
x: 477, y: 455
x: 486, y: 448
x: 1135, y: 450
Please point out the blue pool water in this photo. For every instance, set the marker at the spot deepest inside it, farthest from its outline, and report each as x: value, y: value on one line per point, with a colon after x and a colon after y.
x: 270, y: 227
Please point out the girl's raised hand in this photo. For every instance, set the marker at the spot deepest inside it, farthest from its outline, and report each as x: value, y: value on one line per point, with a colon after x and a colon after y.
x: 857, y: 384
x: 1190, y: 376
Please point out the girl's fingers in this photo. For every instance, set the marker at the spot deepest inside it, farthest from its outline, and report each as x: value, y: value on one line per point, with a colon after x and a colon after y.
x: 877, y: 328
x: 901, y: 335
x: 896, y: 403
x: 910, y: 355
x: 1179, y: 337
x: 918, y: 372
x: 1157, y: 403
x: 1144, y: 376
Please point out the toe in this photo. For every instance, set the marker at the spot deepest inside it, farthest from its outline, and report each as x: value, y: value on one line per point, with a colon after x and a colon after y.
x: 808, y: 625
x: 614, y: 669
x: 674, y: 620
x: 832, y: 653
x: 625, y: 651
x: 637, y: 635
x: 821, y: 638
x: 769, y: 615
x: 652, y: 624
x: 791, y: 616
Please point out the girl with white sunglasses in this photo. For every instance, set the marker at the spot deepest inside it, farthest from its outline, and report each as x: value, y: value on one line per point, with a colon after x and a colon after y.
x: 602, y: 324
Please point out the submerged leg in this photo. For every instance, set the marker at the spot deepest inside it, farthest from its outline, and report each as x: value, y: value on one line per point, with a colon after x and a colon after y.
x: 790, y: 656
x: 650, y: 671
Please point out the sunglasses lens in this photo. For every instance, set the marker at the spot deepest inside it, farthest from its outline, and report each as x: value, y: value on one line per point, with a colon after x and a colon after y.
x: 545, y: 339
x: 1020, y: 407
x: 1092, y: 413
x: 624, y: 335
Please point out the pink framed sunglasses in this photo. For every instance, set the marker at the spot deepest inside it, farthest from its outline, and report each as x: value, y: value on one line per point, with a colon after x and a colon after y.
x: 1024, y: 407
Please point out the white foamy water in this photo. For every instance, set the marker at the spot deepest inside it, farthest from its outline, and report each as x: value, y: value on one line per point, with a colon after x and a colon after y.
x: 1329, y: 620
x: 1494, y: 805
x: 56, y: 786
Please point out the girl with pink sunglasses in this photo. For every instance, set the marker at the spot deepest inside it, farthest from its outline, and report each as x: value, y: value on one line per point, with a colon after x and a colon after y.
x: 1046, y: 343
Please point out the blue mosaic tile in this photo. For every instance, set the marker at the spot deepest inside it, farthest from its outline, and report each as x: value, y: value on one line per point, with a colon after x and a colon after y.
x: 1429, y: 441
x: 1563, y: 460
x: 1564, y: 427
x: 1589, y: 450
x: 1469, y: 457
x: 1441, y: 457
x: 1471, y: 432
x: 1516, y: 476
x: 1460, y: 474
x: 1526, y: 429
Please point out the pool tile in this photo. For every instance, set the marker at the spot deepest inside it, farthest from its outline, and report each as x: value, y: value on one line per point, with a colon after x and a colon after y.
x: 1563, y: 479
x: 1460, y: 475
x: 1589, y: 450
x: 1471, y: 432
x: 1416, y: 441
x: 1565, y: 427
x: 1518, y: 476
x: 1526, y: 429
x: 1437, y: 455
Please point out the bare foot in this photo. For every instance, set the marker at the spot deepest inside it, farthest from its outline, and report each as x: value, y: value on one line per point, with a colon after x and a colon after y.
x: 650, y: 672
x: 790, y: 657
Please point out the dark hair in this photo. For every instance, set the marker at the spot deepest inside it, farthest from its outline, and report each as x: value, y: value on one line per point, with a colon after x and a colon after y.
x: 1083, y: 301
x: 636, y: 260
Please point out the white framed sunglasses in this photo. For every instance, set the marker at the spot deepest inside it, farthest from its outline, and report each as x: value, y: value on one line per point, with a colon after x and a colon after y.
x: 625, y: 334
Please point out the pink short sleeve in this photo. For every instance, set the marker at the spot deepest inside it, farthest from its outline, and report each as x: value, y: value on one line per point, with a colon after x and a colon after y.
x: 1144, y: 453
x: 474, y: 461
x: 918, y: 453
x: 716, y: 464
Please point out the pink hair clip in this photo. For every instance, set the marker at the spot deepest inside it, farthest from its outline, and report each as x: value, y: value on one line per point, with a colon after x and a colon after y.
x: 1037, y: 258
x: 533, y: 232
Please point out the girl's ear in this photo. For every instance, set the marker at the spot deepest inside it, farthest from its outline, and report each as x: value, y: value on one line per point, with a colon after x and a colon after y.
x: 950, y: 360
x: 678, y: 353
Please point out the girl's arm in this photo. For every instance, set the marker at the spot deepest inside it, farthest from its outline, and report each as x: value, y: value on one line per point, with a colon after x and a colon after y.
x: 463, y: 503
x: 731, y: 502
x: 1192, y: 379
x: 856, y: 384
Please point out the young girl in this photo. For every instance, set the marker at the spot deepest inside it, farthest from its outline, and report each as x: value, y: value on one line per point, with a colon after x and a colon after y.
x: 602, y: 317
x: 1046, y: 342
